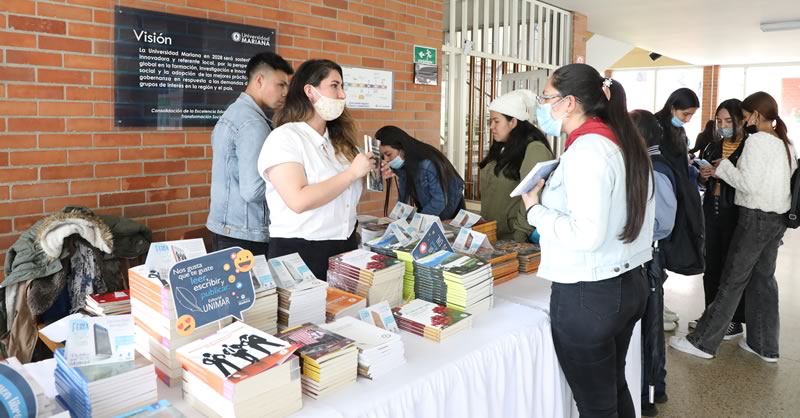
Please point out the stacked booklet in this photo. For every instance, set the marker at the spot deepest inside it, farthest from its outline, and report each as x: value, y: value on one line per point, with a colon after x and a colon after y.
x: 301, y: 296
x: 488, y: 228
x: 264, y: 313
x: 329, y: 361
x: 376, y: 277
x: 105, y: 390
x: 458, y: 281
x: 341, y: 304
x: 241, y: 372
x: 505, y: 263
x: 432, y: 321
x: 391, y: 247
x: 16, y: 381
x: 157, y: 336
x: 465, y: 219
x: 113, y: 303
x: 379, y: 351
x: 529, y: 255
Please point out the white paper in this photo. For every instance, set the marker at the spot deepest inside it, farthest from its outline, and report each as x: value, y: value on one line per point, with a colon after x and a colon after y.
x: 422, y: 222
x: 262, y: 278
x: 540, y: 171
x: 163, y: 255
x: 401, y: 230
x: 380, y: 315
x: 57, y: 331
x: 469, y: 241
x: 403, y: 211
x: 368, y: 88
x: 465, y: 219
x: 100, y: 340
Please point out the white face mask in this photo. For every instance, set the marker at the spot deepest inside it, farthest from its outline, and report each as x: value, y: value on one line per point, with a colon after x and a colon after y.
x: 327, y: 108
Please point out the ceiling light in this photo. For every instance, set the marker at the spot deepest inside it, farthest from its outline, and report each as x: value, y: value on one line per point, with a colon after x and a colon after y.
x: 780, y: 26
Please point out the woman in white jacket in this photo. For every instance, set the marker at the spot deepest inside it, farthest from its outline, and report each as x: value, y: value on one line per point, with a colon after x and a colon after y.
x: 596, y: 224
x: 762, y: 182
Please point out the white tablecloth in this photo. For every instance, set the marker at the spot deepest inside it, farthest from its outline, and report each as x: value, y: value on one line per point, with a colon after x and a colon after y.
x: 533, y: 291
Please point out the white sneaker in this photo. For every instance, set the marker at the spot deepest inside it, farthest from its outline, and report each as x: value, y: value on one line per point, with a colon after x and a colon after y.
x: 693, y: 325
x: 682, y: 344
x: 746, y: 347
x: 670, y: 326
x: 670, y: 315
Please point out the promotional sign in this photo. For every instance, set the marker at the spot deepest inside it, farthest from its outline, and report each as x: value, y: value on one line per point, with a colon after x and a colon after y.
x: 422, y: 222
x: 212, y: 287
x: 163, y: 255
x: 100, y: 340
x: 469, y: 242
x: 368, y: 88
x: 403, y: 211
x: 465, y: 219
x: 17, y: 398
x: 433, y: 241
x: 174, y: 71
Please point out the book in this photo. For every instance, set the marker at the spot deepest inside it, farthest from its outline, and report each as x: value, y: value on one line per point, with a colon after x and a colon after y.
x: 456, y: 280
x: 379, y: 351
x: 374, y: 176
x: 430, y: 320
x: 112, y: 303
x: 541, y: 171
x: 342, y: 304
x: 528, y: 254
x: 373, y: 276
x: 379, y: 315
x: 301, y: 296
x: 22, y: 394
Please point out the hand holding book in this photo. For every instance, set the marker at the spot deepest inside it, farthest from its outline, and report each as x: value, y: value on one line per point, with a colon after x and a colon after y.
x: 531, y: 198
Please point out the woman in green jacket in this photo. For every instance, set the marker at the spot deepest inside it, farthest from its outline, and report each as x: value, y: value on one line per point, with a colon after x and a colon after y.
x: 516, y: 148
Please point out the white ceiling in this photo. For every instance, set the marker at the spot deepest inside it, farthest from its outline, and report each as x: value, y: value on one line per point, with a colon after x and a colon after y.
x: 701, y: 32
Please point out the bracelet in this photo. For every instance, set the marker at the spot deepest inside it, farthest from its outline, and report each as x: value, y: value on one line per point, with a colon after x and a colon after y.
x: 528, y: 212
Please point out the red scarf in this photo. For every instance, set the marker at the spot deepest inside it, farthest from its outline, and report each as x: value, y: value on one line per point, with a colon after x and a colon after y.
x: 592, y: 126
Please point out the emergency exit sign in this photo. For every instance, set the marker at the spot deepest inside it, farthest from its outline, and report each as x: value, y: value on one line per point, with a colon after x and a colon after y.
x: 424, y: 55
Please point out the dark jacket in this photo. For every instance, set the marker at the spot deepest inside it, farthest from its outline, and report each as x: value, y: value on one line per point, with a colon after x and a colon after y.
x: 726, y: 193
x: 428, y: 188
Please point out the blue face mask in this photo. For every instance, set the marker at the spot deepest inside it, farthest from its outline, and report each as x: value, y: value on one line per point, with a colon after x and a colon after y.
x: 726, y: 133
x: 677, y: 122
x: 547, y: 124
x: 397, y: 163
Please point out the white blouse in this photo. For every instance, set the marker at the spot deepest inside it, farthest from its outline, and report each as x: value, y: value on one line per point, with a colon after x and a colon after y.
x: 298, y: 142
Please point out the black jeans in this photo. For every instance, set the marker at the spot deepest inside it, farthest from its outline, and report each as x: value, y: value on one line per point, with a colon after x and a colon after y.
x: 592, y: 323
x: 720, y: 226
x: 750, y: 266
x: 221, y: 242
x: 314, y: 253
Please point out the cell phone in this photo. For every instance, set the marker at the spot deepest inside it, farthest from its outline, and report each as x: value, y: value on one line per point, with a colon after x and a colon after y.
x: 703, y: 163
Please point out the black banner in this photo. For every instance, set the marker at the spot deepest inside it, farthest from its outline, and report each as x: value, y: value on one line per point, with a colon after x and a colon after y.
x: 174, y: 71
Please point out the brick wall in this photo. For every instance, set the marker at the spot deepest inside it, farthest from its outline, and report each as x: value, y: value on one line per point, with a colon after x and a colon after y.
x: 58, y: 143
x: 580, y: 36
x: 709, y: 100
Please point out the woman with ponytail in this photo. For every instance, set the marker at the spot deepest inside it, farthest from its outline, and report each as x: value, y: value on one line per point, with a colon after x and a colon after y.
x: 762, y: 182
x: 596, y: 221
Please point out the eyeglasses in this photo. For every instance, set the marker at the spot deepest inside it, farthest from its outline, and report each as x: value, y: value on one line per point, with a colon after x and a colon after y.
x: 541, y: 98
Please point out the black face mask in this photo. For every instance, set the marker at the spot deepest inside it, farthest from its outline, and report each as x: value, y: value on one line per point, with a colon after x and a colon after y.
x: 750, y: 129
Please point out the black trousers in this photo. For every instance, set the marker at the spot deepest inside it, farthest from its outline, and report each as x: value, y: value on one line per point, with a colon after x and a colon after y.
x: 720, y: 226
x: 221, y: 242
x: 314, y: 253
x: 592, y: 324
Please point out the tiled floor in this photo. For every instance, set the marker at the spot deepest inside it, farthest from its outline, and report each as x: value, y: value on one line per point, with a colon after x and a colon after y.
x: 736, y: 383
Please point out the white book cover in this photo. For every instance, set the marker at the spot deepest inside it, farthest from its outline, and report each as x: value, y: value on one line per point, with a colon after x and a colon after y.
x: 541, y: 171
x: 365, y: 335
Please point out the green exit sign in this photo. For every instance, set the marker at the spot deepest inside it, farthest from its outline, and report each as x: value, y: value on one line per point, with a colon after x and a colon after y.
x: 424, y: 55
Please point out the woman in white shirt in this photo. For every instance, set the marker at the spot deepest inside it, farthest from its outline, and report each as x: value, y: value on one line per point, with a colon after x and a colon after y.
x: 595, y: 220
x: 762, y: 182
x: 313, y: 169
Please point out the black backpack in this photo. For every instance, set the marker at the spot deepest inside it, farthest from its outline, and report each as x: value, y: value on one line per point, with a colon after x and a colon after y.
x: 792, y: 216
x: 685, y: 249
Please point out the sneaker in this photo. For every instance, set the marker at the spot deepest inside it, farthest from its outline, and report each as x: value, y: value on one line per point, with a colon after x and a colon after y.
x: 735, y: 329
x: 693, y: 325
x: 670, y: 315
x: 682, y: 344
x: 670, y: 326
x: 746, y: 347
x: 649, y: 410
x: 662, y: 398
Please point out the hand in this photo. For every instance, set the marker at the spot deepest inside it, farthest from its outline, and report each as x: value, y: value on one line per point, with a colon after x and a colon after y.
x: 361, y: 165
x: 707, y: 172
x: 532, y: 197
x: 386, y: 170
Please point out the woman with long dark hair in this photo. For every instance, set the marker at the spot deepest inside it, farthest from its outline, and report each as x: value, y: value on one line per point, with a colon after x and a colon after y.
x: 517, y: 146
x: 313, y: 169
x: 762, y: 182
x: 719, y: 208
x: 425, y: 177
x: 708, y: 135
x: 596, y: 224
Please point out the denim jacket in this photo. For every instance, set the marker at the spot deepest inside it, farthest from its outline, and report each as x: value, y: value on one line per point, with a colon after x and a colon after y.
x: 238, y: 204
x: 429, y: 191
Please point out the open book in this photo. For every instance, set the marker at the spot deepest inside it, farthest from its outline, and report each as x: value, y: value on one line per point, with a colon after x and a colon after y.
x: 540, y: 171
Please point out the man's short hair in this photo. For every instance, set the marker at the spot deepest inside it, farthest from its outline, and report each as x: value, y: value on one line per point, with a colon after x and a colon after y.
x: 267, y: 60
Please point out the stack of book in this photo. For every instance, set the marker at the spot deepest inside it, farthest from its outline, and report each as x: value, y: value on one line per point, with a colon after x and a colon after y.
x: 157, y: 336
x: 341, y: 304
x: 105, y: 390
x: 46, y: 406
x: 301, y: 296
x: 113, y: 303
x: 505, y: 263
x: 488, y: 228
x: 241, y: 372
x: 376, y: 277
x: 264, y: 313
x: 529, y: 255
x: 329, y: 361
x: 432, y: 321
x: 391, y: 247
x: 458, y: 281
x: 379, y: 351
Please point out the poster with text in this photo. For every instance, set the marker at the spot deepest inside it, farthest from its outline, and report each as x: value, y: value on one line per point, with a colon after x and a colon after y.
x: 367, y: 88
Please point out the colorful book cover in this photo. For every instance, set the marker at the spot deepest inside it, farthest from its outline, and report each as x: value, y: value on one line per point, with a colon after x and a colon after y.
x: 111, y: 297
x: 428, y: 314
x: 338, y: 300
x: 315, y: 342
